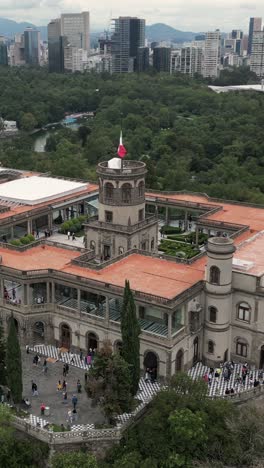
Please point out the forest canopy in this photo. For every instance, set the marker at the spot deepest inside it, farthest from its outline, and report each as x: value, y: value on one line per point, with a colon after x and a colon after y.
x: 190, y: 137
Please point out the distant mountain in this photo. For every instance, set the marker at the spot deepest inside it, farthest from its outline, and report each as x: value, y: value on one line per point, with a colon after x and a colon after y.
x: 162, y: 32
x: 9, y: 28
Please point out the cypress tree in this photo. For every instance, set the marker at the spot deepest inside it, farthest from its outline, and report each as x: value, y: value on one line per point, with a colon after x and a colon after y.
x: 13, y: 363
x: 2, y: 357
x: 130, y: 330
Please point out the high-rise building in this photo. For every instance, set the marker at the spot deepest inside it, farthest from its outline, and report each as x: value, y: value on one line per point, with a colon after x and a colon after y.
x: 257, y: 54
x: 142, y: 62
x: 211, y: 54
x: 162, y: 59
x: 76, y: 27
x: 32, y: 46
x: 3, y: 51
x: 56, y: 44
x: 191, y: 60
x: 255, y: 24
x: 17, y: 51
x: 127, y: 37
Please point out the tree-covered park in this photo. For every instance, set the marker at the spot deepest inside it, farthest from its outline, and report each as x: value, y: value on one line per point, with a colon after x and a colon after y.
x: 190, y: 137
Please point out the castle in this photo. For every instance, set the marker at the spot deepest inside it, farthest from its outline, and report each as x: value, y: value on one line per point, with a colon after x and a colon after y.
x: 208, y: 308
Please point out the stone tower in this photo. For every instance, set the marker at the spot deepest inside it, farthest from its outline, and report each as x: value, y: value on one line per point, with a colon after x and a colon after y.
x: 218, y: 290
x: 122, y: 223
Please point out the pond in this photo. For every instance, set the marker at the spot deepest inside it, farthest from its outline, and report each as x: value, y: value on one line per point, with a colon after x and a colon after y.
x: 40, y: 138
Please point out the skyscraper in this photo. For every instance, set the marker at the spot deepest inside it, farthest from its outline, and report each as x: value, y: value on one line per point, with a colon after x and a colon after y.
x: 56, y: 44
x: 211, y: 54
x: 76, y: 27
x: 3, y: 51
x: 162, y: 59
x: 255, y: 24
x: 128, y: 36
x: 32, y: 46
x: 257, y: 54
x: 142, y: 62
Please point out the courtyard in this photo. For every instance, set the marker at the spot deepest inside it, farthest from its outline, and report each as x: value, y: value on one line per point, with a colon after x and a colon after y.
x: 48, y: 394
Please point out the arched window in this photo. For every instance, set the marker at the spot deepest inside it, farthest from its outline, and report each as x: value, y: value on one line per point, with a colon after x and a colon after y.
x: 214, y: 275
x: 211, y: 346
x: 92, y: 341
x: 92, y: 245
x: 243, y: 312
x: 179, y: 361
x: 241, y: 347
x: 126, y: 193
x: 212, y: 314
x: 141, y: 188
x: 109, y: 190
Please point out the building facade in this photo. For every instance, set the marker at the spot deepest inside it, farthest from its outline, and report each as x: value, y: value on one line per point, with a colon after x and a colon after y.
x: 257, y: 54
x: 209, y: 308
x: 162, y: 59
x: 128, y: 35
x: 255, y: 24
x: 32, y: 46
x: 211, y: 54
x: 76, y: 28
x: 56, y: 44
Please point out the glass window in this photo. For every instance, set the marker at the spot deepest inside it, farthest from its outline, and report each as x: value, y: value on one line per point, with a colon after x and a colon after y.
x: 141, y: 188
x: 241, y: 348
x: 108, y: 216
x: 126, y: 193
x: 214, y: 275
x: 243, y: 312
x: 109, y: 190
x: 212, y: 314
x: 211, y: 346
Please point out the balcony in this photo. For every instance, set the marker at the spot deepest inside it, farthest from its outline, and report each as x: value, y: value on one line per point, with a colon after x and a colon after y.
x: 128, y: 168
x: 86, y: 307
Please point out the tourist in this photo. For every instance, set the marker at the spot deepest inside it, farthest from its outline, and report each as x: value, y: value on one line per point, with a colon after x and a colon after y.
x: 27, y: 402
x: 67, y: 368
x: 35, y: 389
x: 59, y: 386
x: 81, y: 355
x: 79, y: 386
x: 256, y: 383
x: 73, y: 236
x: 69, y: 417
x: 89, y: 360
x: 227, y: 392
x: 72, y: 358
x: 65, y: 397
x: 74, y: 416
x: 74, y: 401
x: 147, y: 376
x: 64, y: 385
x: 205, y: 378
x: 42, y: 409
x: 44, y: 367
x: 69, y: 235
x: 64, y: 373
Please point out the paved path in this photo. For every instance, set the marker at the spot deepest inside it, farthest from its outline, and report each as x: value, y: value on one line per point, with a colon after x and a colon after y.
x: 48, y: 394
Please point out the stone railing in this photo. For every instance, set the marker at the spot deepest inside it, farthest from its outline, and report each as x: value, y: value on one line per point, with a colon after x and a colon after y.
x: 128, y: 168
x: 202, y: 206
x: 93, y: 222
x: 242, y: 396
x: 37, y: 242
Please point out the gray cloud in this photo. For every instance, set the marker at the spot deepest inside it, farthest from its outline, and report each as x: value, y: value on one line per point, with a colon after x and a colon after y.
x: 196, y: 15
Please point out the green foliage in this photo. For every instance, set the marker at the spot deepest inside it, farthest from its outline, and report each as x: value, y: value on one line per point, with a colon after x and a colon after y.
x: 188, y: 430
x: 170, y: 230
x: 13, y: 363
x: 73, y: 225
x: 28, y: 121
x: 19, y: 452
x: 130, y: 331
x: 73, y: 460
x: 16, y: 242
x: 109, y: 382
x: 2, y: 357
x: 177, y: 249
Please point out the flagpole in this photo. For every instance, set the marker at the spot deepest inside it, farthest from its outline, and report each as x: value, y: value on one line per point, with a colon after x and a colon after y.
x: 121, y: 125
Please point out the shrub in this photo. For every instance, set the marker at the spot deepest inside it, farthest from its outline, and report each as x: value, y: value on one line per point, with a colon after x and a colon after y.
x: 27, y: 239
x: 15, y: 242
x: 170, y: 230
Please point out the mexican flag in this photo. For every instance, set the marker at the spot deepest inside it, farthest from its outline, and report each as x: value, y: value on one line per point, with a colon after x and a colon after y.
x: 121, y: 149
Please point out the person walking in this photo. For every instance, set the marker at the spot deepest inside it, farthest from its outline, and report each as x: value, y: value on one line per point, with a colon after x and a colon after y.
x: 64, y: 385
x: 59, y: 386
x: 69, y: 417
x: 67, y: 368
x: 44, y: 367
x: 72, y: 358
x: 69, y: 235
x: 79, y: 386
x: 42, y: 409
x: 64, y: 373
x: 74, y: 401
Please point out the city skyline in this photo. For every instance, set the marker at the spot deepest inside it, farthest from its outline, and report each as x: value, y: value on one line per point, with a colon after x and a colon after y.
x: 187, y: 15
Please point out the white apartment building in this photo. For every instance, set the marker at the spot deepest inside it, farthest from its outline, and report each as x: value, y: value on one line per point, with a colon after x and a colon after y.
x: 75, y: 59
x: 257, y: 55
x: 76, y: 27
x: 211, y: 54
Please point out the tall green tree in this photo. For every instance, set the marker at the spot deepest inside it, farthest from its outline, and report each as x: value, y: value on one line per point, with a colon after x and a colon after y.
x: 13, y: 363
x: 73, y: 460
x: 2, y: 357
x: 130, y: 330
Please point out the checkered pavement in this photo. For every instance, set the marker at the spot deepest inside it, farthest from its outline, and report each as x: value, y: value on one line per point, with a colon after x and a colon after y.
x: 52, y: 352
x: 219, y: 385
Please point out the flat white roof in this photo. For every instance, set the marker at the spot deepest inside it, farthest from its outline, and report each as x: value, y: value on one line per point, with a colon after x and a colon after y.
x: 225, y: 89
x: 35, y: 189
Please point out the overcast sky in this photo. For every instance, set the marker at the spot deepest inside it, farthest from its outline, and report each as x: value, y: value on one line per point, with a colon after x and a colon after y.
x: 187, y: 15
